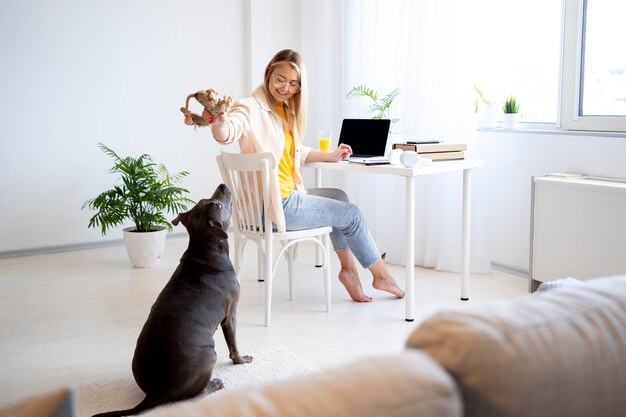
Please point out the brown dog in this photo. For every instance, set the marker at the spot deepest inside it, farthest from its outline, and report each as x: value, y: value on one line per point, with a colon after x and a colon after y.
x: 175, y: 352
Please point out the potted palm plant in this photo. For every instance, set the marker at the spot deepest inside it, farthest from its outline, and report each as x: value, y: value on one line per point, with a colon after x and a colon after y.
x: 510, y: 115
x: 143, y: 193
x: 379, y: 109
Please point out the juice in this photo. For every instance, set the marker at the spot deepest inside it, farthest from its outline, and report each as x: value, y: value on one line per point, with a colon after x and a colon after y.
x: 324, y: 144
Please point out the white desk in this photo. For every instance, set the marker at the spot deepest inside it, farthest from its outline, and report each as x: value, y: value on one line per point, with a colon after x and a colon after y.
x: 465, y: 165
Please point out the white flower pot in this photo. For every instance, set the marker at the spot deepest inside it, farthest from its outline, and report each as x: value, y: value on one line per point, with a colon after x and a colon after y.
x: 510, y: 120
x: 145, y: 249
x: 490, y: 112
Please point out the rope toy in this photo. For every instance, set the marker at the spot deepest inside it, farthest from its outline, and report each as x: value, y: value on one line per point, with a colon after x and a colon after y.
x: 210, y: 101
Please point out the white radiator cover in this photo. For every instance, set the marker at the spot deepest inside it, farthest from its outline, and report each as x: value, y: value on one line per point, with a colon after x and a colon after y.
x: 578, y: 228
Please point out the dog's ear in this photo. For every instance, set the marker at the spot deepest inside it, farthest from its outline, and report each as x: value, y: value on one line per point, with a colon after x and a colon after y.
x: 182, y: 217
x: 220, y: 225
x: 218, y: 233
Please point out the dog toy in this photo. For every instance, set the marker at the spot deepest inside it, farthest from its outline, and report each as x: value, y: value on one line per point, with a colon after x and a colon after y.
x: 210, y: 101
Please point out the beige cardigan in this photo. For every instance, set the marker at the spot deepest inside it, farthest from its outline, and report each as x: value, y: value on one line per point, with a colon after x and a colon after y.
x: 251, y: 123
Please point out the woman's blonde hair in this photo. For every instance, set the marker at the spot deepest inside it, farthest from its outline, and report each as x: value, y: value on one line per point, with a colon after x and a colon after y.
x: 296, y: 106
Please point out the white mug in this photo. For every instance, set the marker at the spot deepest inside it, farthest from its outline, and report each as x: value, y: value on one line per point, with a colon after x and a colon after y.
x: 394, y: 156
x: 409, y: 158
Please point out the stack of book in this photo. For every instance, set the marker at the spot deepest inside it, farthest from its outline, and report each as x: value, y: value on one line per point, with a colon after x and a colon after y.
x: 434, y: 150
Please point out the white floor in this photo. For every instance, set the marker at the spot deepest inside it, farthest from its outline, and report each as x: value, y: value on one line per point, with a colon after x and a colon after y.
x: 74, y: 317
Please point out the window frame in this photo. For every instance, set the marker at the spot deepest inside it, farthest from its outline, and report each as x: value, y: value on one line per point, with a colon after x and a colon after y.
x: 571, y: 76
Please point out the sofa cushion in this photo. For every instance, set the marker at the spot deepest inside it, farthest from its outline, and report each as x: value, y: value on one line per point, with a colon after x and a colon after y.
x: 58, y: 403
x: 558, y: 353
x: 402, y: 385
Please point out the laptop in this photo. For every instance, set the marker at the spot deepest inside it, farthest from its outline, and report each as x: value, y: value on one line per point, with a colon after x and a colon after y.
x: 367, y: 138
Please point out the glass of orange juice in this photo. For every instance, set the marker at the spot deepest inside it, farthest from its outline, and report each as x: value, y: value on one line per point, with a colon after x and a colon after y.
x: 324, y: 137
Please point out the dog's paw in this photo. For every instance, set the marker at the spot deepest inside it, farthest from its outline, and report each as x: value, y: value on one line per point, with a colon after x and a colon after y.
x: 215, y: 384
x: 239, y: 360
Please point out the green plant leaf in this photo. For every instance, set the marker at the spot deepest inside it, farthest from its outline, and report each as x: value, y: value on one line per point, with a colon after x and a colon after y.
x: 144, y: 192
x: 363, y: 91
x: 511, y: 105
x: 379, y: 108
x: 482, y: 97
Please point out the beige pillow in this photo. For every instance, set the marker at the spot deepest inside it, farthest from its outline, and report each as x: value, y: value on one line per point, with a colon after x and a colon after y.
x: 408, y: 384
x: 560, y: 353
x: 59, y: 403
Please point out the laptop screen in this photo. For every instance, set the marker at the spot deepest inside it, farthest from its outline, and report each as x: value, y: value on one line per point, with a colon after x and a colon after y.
x: 366, y: 137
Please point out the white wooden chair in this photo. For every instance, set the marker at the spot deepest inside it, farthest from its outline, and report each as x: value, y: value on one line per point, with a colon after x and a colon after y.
x: 248, y: 177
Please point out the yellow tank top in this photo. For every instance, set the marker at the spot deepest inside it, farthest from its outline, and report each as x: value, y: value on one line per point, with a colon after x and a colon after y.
x: 285, y: 166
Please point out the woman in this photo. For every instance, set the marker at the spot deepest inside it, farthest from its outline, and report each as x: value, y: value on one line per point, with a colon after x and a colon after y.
x: 273, y: 120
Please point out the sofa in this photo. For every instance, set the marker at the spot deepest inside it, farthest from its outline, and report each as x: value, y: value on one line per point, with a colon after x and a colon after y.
x: 557, y: 353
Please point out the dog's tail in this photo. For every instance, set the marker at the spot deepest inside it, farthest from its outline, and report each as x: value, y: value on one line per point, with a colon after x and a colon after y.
x: 146, y: 404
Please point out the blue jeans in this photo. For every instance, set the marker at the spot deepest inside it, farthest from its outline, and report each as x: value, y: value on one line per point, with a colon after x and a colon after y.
x: 330, y: 207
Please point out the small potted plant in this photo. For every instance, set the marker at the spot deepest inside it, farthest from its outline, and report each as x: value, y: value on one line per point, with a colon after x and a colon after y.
x: 144, y: 192
x: 490, y: 109
x: 510, y: 115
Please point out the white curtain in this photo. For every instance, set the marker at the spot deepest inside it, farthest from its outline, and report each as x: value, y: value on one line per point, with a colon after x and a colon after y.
x: 425, y: 48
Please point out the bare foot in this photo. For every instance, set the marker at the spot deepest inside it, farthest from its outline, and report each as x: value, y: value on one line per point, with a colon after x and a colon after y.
x: 387, y: 283
x: 353, y: 286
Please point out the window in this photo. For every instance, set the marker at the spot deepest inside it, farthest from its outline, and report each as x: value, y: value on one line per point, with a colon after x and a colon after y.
x: 593, y: 89
x: 568, y: 70
x: 518, y: 53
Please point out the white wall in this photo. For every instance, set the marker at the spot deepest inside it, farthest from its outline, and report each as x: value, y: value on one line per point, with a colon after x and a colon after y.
x: 322, y: 49
x: 504, y: 185
x: 274, y: 25
x: 75, y: 73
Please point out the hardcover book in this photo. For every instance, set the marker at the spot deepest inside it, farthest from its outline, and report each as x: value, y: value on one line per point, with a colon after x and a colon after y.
x: 422, y: 148
x: 443, y: 156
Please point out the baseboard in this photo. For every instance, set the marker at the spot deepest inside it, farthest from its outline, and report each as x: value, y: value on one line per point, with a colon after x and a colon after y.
x: 72, y: 247
x: 513, y: 270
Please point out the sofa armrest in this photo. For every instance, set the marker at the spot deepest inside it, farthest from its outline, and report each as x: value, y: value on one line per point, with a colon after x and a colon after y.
x: 407, y: 384
x: 558, y: 353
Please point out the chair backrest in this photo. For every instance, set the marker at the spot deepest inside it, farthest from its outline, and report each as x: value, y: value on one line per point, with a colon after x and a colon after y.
x: 248, y: 176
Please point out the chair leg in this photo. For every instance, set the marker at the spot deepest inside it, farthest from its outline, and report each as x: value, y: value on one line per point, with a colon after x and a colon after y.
x: 290, y: 262
x: 237, y: 254
x: 259, y: 256
x: 295, y: 252
x: 326, y: 240
x: 319, y: 254
x: 269, y: 275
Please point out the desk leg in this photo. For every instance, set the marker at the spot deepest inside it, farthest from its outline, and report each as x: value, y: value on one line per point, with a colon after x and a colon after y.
x: 409, y: 257
x: 465, y: 260
x: 319, y: 262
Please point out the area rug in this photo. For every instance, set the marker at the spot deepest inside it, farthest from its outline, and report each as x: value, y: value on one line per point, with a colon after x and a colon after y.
x: 270, y: 364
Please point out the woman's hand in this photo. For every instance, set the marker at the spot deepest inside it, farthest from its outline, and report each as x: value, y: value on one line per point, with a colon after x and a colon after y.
x: 206, y: 115
x: 342, y: 153
x: 219, y: 129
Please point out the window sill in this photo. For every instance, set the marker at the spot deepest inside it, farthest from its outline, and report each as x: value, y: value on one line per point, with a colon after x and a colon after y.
x: 550, y: 129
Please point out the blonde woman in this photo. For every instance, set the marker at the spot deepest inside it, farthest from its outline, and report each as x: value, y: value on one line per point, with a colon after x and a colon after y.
x: 273, y: 120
